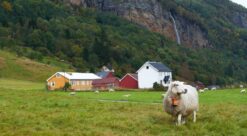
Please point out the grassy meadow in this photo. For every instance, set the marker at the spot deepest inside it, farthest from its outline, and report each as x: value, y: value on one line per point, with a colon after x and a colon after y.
x: 14, y: 67
x: 27, y: 109
x: 11, y: 84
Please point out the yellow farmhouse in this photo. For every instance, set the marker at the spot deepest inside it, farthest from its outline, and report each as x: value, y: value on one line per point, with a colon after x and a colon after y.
x: 78, y: 81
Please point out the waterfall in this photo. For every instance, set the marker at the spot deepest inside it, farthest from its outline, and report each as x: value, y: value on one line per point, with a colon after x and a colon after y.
x: 175, y: 29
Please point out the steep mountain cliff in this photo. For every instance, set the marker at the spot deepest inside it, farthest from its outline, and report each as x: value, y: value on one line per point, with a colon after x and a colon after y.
x: 185, y: 21
x: 240, y: 19
x: 151, y: 14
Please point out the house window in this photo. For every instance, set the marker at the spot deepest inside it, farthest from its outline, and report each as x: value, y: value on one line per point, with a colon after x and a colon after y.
x: 52, y: 84
x: 73, y: 82
x: 147, y: 67
x: 166, y: 79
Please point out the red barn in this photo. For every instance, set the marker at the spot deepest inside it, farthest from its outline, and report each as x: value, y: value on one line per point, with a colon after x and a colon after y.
x: 199, y: 85
x: 106, y: 83
x: 129, y: 81
x: 105, y: 74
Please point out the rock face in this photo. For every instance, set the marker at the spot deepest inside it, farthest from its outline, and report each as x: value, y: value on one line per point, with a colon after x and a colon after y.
x: 240, y: 19
x: 151, y: 15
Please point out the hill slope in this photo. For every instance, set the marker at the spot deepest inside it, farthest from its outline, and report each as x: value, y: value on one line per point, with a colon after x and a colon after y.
x: 89, y: 38
x: 21, y: 68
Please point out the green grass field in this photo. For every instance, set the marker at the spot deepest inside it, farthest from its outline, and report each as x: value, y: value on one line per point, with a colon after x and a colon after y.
x: 27, y: 109
x: 20, y: 85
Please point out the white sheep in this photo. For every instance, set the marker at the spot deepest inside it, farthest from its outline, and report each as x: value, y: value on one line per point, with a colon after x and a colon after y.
x: 243, y: 91
x: 127, y: 95
x: 241, y: 86
x: 213, y: 88
x: 181, y: 101
x: 205, y: 89
x: 111, y: 90
x: 72, y: 93
x: 96, y: 91
x: 201, y: 91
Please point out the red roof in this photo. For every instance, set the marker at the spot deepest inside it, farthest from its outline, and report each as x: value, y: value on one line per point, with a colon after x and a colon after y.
x: 105, y: 80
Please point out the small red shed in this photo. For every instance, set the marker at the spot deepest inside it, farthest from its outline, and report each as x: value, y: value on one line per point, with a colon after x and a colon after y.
x: 129, y: 81
x: 106, y: 83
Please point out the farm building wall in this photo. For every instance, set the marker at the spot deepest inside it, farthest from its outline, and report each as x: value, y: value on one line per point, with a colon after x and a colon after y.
x: 106, y: 83
x: 56, y: 82
x: 128, y: 82
x: 147, y: 75
x: 110, y: 75
x: 80, y: 85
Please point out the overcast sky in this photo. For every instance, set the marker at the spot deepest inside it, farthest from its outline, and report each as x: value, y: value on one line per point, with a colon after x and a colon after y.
x: 241, y: 2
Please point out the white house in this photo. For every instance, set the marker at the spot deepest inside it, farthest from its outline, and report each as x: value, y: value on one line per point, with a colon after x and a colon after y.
x: 152, y: 72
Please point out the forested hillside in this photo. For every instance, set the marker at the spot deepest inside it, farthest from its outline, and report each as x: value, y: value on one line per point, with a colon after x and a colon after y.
x: 90, y: 37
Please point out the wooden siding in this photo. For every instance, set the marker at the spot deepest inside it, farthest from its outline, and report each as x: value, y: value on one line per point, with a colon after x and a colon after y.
x: 59, y: 82
x: 80, y: 85
x: 129, y: 82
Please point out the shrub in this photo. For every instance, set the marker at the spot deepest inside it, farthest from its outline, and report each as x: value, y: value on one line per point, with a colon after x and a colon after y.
x: 66, y: 86
x: 158, y: 87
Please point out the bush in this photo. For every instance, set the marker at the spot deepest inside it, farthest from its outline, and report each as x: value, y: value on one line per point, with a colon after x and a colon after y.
x: 158, y: 87
x: 35, y: 56
x: 66, y: 86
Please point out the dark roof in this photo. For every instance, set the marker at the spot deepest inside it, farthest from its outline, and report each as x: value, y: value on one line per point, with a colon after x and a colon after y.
x: 102, y: 74
x: 160, y: 67
x: 105, y: 81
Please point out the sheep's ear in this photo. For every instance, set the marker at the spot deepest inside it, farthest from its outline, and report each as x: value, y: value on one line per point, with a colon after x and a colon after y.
x: 185, y: 91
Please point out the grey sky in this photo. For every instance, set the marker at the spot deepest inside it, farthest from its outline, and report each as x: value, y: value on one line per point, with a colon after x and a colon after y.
x: 241, y: 2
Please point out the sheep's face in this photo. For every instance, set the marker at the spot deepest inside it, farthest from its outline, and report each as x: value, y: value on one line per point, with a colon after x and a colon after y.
x: 178, y: 90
